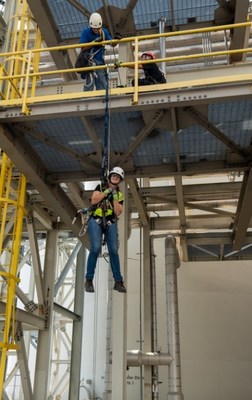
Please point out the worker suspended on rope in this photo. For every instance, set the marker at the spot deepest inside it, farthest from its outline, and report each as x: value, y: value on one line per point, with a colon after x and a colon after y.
x: 94, y: 55
x: 107, y: 201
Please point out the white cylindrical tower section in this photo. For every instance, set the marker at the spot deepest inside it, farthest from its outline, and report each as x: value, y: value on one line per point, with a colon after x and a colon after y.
x: 174, y: 373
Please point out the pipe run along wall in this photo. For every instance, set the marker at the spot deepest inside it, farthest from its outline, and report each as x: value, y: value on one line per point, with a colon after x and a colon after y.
x: 174, y: 373
x: 136, y: 358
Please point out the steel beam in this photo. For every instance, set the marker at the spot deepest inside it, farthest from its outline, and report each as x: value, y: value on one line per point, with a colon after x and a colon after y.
x: 203, y: 121
x: 40, y: 214
x: 37, y: 270
x: 66, y: 268
x: 41, y: 383
x: 78, y: 195
x: 84, y: 160
x: 27, y: 162
x: 244, y: 212
x: 164, y: 170
x: 93, y: 136
x: 238, y: 36
x: 173, y: 94
x: 76, y: 353
x: 42, y: 14
x: 30, y: 320
x: 23, y: 365
x: 80, y: 7
x: 67, y: 313
x: 138, y: 201
x: 199, y: 222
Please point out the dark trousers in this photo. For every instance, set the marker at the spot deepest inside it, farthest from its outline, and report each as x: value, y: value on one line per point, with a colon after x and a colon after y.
x: 144, y: 81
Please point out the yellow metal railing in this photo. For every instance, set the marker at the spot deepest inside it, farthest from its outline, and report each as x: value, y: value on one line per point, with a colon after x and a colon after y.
x: 25, y: 95
x: 20, y: 28
x: 12, y: 211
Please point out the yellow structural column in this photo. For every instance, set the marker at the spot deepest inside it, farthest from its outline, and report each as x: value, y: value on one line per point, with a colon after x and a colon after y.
x: 12, y: 212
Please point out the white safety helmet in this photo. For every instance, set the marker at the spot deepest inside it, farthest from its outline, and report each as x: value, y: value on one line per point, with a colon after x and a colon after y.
x: 117, y: 170
x: 95, y: 21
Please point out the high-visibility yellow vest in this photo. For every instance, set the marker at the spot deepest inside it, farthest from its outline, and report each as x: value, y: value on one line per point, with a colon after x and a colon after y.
x: 106, y: 206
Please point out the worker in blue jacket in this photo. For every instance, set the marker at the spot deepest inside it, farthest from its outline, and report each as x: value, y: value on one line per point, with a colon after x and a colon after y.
x: 95, y: 54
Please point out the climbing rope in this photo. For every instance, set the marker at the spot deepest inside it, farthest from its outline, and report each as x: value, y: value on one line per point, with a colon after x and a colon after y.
x: 106, y: 140
x: 86, y: 213
x: 106, y: 152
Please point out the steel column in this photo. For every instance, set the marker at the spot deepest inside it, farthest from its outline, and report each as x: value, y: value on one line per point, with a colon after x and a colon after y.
x: 41, y: 382
x: 74, y: 387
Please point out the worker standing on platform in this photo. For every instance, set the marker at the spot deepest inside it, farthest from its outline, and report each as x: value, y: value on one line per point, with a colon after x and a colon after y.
x: 109, y: 205
x: 95, y: 54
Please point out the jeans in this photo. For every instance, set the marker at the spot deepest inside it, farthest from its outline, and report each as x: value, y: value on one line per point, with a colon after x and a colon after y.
x: 95, y: 236
x: 96, y: 80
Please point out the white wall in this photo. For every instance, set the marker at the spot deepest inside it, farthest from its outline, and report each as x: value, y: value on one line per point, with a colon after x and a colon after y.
x: 216, y: 329
x: 215, y: 303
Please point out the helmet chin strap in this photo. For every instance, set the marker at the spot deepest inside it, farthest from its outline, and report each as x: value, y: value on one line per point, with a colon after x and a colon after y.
x: 115, y: 184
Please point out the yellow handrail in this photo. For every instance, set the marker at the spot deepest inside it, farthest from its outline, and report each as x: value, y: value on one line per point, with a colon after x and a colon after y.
x: 30, y: 71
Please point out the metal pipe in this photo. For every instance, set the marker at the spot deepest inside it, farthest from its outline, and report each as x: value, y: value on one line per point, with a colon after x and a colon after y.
x: 155, y: 371
x: 108, y: 371
x: 137, y: 358
x: 171, y: 265
x: 162, y: 23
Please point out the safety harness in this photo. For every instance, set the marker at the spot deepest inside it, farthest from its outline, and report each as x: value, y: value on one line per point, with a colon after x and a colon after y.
x: 89, y: 76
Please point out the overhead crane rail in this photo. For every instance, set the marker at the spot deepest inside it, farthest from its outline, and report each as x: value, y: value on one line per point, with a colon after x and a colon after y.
x: 22, y: 86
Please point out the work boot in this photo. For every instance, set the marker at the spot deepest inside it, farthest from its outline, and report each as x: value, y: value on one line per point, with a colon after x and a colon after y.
x: 89, y: 286
x: 119, y: 286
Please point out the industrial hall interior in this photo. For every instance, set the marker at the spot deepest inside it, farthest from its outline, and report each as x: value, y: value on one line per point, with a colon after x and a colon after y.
x: 125, y: 199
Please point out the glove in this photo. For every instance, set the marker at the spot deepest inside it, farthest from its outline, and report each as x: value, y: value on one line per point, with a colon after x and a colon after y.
x: 107, y: 191
x: 117, y: 64
x: 117, y: 36
x: 99, y: 39
x: 115, y: 195
x: 83, y: 211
